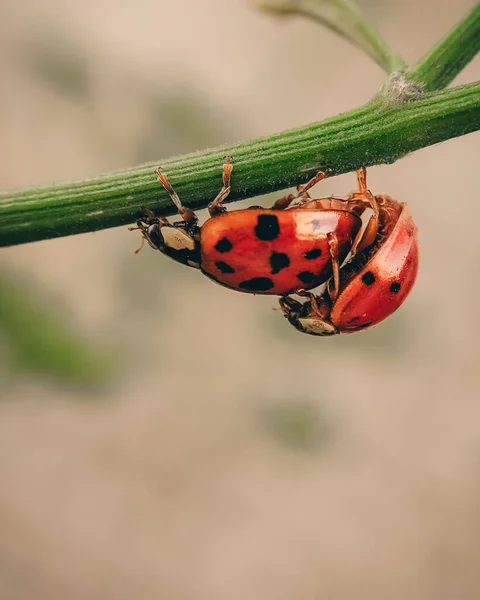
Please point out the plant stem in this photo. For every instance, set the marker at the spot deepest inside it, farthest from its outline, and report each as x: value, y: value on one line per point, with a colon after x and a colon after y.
x: 452, y: 53
x: 400, y: 119
x: 346, y: 19
x: 377, y: 133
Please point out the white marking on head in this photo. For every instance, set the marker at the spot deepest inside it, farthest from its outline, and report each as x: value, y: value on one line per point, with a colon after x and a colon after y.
x: 317, y: 326
x: 177, y: 239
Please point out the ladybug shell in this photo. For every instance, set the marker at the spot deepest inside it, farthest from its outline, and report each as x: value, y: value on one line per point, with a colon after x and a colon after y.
x: 382, y: 285
x: 265, y: 251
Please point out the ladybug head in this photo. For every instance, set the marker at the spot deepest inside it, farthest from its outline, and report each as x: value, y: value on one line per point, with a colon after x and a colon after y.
x: 179, y: 241
x: 313, y: 325
x: 304, y: 317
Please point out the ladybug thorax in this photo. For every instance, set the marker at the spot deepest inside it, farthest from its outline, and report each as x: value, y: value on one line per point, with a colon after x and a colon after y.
x: 177, y: 241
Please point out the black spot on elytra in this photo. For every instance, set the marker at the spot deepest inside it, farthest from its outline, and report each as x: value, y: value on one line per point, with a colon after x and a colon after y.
x: 257, y: 284
x: 368, y: 278
x: 279, y: 261
x: 395, y: 287
x: 224, y: 267
x: 223, y: 245
x: 311, y: 254
x: 267, y: 227
x: 306, y: 276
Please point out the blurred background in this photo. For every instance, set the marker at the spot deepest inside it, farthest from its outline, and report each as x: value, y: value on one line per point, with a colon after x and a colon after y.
x: 164, y: 437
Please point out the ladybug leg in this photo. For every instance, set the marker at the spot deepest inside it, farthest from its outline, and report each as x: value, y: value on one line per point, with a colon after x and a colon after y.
x: 302, y: 194
x: 319, y: 307
x: 316, y: 309
x: 289, y: 305
x: 364, y: 195
x: 307, y: 294
x: 215, y: 207
x: 186, y: 213
x: 367, y: 236
x: 313, y: 181
x: 302, y: 191
x: 333, y: 249
x: 362, y: 179
x: 284, y: 202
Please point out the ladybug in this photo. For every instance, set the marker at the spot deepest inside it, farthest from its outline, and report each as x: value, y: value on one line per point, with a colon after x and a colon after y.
x: 296, y: 245
x: 370, y: 286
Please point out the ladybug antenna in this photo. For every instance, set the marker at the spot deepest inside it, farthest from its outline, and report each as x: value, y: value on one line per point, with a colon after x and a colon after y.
x: 141, y: 228
x: 141, y: 245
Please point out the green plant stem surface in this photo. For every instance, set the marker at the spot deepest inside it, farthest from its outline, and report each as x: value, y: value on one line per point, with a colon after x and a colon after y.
x: 346, y: 19
x: 373, y: 134
x: 402, y: 118
x: 447, y: 58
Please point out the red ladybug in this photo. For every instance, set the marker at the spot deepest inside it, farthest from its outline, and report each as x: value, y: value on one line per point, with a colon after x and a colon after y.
x: 372, y: 285
x: 295, y: 245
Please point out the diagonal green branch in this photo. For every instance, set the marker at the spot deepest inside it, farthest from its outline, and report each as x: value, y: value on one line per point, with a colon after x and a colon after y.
x: 347, y: 20
x: 447, y: 58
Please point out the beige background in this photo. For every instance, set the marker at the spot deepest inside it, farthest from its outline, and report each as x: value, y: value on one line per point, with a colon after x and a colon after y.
x: 233, y: 458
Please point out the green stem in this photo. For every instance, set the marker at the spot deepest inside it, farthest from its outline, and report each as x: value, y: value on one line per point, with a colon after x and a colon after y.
x: 400, y: 119
x: 346, y: 19
x: 452, y: 53
x: 379, y: 132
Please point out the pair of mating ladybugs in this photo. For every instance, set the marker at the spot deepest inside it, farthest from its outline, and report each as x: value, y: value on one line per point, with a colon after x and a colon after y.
x: 299, y: 244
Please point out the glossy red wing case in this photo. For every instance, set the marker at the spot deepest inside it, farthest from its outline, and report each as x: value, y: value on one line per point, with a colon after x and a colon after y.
x: 383, y: 284
x: 272, y: 251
